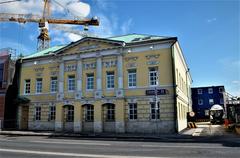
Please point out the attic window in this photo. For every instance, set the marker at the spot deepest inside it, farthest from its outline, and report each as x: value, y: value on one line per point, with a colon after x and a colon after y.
x: 136, y: 39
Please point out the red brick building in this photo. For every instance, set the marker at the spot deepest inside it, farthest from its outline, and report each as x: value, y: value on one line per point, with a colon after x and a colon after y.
x: 6, y: 77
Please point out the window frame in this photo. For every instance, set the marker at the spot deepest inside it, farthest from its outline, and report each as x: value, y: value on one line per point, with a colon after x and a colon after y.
x: 110, y: 80
x: 71, y: 83
x: 199, y: 91
x: 54, y: 84
x: 212, y: 101
x: 110, y: 112
x: 88, y: 86
x: 200, y: 101
x: 153, y: 78
x: 152, y: 108
x: 52, y: 113
x: 89, y: 113
x: 70, y: 114
x: 132, y: 111
x: 210, y: 90
x: 38, y: 111
x: 39, y: 85
x: 25, y: 86
x: 132, y: 78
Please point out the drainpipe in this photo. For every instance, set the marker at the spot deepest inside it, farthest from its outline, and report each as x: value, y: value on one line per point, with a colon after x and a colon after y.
x: 174, y: 87
x: 187, y: 89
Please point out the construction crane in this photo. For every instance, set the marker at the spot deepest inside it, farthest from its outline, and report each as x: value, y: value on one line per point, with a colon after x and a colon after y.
x: 43, y: 21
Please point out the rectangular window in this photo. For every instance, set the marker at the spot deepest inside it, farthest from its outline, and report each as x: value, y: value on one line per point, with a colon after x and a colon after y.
x: 153, y: 76
x: 90, y: 81
x: 210, y: 90
x: 39, y: 85
x: 132, y: 111
x: 70, y: 114
x: 71, y: 83
x: 110, y: 112
x: 200, y: 102
x: 1, y: 74
x: 53, y: 86
x: 27, y: 86
x: 132, y: 78
x: 89, y: 113
x: 155, y: 111
x: 199, y: 91
x: 38, y: 113
x: 211, y: 101
x: 52, y: 113
x: 110, y: 80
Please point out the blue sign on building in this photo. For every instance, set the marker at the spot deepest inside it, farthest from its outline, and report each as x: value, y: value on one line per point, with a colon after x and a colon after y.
x: 203, y: 98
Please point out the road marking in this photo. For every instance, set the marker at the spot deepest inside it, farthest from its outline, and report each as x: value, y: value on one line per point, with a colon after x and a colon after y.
x: 183, y: 146
x: 74, y: 143
x: 71, y: 154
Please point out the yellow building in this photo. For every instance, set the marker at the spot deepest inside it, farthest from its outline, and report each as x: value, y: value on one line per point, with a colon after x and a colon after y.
x: 107, y: 85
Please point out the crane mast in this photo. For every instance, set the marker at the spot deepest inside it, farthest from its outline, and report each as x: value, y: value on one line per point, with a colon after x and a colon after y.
x: 43, y: 21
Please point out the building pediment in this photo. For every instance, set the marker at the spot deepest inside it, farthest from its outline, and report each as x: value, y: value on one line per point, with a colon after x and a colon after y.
x: 89, y: 44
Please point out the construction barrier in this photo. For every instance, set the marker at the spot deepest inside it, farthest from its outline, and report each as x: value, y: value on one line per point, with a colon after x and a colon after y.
x: 192, y: 125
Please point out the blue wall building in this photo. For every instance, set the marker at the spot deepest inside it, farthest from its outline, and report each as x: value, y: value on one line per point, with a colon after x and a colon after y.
x: 203, y: 98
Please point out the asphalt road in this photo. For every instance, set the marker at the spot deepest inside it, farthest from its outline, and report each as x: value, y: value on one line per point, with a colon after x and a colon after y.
x: 39, y: 147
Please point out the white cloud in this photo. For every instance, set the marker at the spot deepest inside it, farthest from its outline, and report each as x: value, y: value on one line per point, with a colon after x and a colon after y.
x: 211, y: 20
x: 126, y: 26
x: 73, y: 37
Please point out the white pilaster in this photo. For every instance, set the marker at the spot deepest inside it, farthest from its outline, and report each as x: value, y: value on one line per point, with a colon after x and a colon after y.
x: 78, y: 93
x: 98, y: 92
x: 60, y: 94
x: 119, y: 91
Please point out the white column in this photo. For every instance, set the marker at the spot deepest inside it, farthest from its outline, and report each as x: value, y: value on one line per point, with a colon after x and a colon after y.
x: 98, y: 92
x: 120, y: 71
x: 99, y: 73
x: 119, y: 92
x: 78, y: 93
x: 61, y: 82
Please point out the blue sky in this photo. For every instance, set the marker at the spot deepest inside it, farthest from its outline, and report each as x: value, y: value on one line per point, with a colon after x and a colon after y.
x: 208, y: 31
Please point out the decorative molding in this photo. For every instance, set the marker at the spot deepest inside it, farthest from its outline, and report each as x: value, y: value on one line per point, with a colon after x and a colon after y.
x: 131, y: 58
x: 70, y: 67
x: 131, y: 65
x: 39, y: 69
x: 110, y: 63
x: 153, y: 62
x: 155, y: 56
x: 68, y: 102
x: 89, y: 65
x: 84, y: 48
x: 54, y: 73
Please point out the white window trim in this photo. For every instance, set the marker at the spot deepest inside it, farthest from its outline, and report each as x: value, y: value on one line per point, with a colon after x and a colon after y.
x: 36, y: 113
x: 51, y: 85
x: 36, y: 86
x: 201, y: 101
x: 210, y: 92
x: 212, y: 102
x: 92, y: 76
x: 69, y: 84
x: 113, y: 81
x: 24, y: 90
x: 129, y: 77
x: 149, y: 77
x: 199, y: 90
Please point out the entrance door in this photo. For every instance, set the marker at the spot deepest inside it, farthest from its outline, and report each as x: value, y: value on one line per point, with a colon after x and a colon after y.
x: 24, y: 118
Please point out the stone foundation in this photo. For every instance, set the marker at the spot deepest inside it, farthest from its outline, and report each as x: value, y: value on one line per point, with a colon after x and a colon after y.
x: 42, y: 126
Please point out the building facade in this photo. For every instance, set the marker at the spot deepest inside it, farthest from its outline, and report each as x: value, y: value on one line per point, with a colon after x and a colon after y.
x: 203, y: 98
x: 6, y: 77
x: 126, y: 84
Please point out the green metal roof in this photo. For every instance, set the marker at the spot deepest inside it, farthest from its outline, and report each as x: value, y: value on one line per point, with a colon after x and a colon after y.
x: 44, y: 52
x: 129, y: 38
